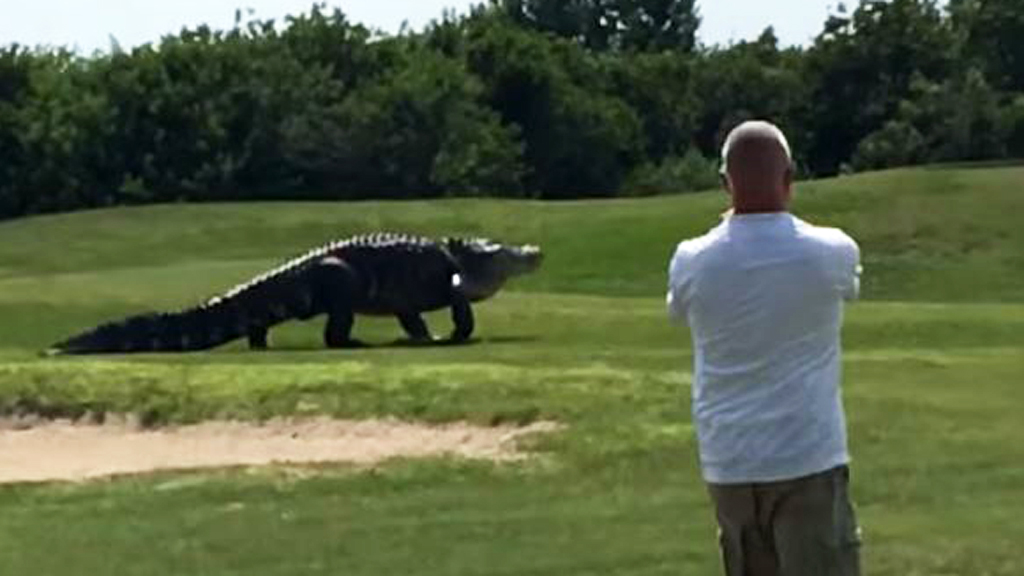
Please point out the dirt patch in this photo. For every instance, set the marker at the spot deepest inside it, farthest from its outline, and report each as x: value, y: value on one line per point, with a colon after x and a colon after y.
x: 64, y: 450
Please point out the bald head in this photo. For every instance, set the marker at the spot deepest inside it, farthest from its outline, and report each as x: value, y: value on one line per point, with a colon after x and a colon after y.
x: 758, y: 167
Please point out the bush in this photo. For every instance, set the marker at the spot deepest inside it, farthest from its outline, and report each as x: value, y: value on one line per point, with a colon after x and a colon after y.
x: 691, y: 173
x: 896, y: 144
x: 1013, y: 121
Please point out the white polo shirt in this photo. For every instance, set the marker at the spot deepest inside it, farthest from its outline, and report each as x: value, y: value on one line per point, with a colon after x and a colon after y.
x: 763, y: 296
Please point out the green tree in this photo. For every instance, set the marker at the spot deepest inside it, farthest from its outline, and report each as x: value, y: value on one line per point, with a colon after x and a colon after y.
x: 1013, y: 121
x: 15, y: 74
x: 657, y: 25
x: 199, y: 116
x: 993, y: 38
x: 631, y: 25
x: 748, y: 80
x: 580, y: 139
x: 419, y: 130
x: 51, y: 131
x: 860, y: 69
x: 545, y: 98
x: 330, y: 41
x: 661, y: 89
x: 959, y: 118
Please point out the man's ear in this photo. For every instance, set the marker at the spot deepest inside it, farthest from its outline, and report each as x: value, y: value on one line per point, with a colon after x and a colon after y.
x: 787, y: 182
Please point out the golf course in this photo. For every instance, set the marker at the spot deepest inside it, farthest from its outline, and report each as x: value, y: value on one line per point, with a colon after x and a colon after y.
x: 933, y: 389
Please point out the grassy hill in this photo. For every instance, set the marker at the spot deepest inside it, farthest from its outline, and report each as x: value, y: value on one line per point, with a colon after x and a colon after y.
x: 934, y: 361
x: 927, y: 235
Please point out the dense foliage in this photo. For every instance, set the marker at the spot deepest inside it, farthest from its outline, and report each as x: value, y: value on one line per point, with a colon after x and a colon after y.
x: 530, y: 98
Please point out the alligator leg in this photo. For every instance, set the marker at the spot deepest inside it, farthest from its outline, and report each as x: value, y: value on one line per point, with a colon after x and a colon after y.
x: 415, y: 327
x: 462, y: 316
x: 336, y: 288
x: 338, y: 332
x: 258, y: 337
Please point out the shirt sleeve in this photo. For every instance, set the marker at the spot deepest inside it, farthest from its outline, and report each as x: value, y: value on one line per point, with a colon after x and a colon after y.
x: 851, y: 270
x: 679, y: 279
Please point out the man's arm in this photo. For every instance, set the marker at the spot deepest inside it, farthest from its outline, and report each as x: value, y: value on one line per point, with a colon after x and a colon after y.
x: 677, y: 299
x: 851, y: 270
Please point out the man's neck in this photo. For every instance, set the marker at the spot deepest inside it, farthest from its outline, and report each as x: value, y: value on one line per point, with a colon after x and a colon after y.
x: 759, y: 201
x: 740, y: 210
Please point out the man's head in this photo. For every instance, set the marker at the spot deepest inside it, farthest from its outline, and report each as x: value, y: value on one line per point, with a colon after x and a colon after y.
x: 757, y: 167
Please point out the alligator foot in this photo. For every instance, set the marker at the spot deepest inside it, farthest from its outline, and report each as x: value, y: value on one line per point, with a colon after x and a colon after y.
x: 418, y: 342
x: 457, y: 341
x: 347, y: 343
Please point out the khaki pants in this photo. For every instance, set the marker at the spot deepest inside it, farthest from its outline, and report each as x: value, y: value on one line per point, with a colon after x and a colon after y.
x: 801, y: 527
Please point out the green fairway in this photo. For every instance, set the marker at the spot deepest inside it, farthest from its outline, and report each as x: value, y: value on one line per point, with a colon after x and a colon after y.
x: 934, y: 367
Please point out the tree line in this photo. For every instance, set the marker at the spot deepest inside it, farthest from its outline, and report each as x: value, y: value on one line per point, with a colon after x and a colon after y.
x: 543, y: 99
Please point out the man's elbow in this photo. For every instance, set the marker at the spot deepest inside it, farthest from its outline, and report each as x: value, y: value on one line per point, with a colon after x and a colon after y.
x: 852, y: 292
x: 676, y: 311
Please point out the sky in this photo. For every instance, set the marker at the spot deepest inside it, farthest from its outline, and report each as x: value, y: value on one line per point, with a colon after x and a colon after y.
x: 88, y: 25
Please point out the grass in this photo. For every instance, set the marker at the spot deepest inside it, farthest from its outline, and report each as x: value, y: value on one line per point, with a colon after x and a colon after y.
x: 933, y: 367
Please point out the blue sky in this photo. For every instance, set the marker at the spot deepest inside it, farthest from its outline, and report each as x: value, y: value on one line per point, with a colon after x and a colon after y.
x: 88, y: 24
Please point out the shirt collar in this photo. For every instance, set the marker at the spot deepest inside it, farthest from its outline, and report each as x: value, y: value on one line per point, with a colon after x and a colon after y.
x: 759, y: 217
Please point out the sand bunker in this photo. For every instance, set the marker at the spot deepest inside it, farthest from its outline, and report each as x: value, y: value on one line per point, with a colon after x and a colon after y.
x: 63, y: 450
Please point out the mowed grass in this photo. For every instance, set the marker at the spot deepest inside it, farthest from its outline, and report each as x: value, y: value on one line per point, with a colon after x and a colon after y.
x: 933, y: 373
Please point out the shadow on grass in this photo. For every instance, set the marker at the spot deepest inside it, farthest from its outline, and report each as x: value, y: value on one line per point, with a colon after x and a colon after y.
x: 405, y: 343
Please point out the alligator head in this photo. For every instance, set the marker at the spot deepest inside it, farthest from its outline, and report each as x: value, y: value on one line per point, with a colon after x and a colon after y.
x: 487, y: 264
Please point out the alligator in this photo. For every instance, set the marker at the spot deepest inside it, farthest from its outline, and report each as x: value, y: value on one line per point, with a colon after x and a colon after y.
x: 384, y: 274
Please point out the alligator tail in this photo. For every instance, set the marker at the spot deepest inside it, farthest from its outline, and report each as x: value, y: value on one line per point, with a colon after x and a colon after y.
x: 199, y: 328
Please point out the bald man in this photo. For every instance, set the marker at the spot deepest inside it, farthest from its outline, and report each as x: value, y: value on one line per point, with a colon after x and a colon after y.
x: 763, y: 296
